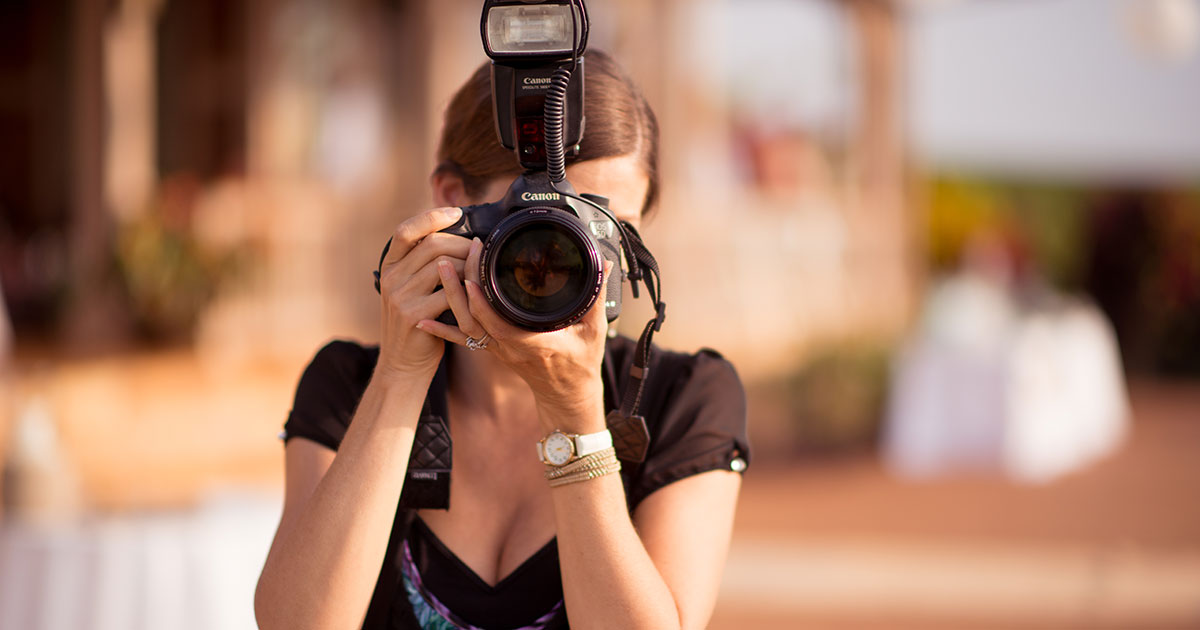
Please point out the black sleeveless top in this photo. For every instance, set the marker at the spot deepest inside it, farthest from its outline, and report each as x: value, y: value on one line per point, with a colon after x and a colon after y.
x: 695, y: 410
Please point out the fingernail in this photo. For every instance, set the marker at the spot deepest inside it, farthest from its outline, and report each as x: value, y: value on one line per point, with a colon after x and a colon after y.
x: 476, y: 245
x: 444, y: 268
x: 452, y: 213
x: 419, y: 326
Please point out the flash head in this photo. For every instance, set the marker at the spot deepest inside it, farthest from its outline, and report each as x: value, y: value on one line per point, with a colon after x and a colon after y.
x: 522, y: 29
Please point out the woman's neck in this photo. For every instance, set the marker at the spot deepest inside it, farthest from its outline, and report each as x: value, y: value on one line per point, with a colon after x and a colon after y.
x: 481, y: 383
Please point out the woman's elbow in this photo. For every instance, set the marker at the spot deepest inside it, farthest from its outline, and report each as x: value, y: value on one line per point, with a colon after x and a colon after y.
x: 266, y: 612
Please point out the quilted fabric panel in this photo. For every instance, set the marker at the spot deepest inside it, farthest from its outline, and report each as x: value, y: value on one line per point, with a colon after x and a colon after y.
x: 431, y: 447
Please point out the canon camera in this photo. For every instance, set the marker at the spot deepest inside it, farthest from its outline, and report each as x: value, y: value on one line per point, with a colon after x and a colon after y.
x: 544, y: 245
x: 542, y: 263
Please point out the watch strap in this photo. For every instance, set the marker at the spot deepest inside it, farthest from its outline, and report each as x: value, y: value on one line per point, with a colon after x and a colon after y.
x: 592, y: 442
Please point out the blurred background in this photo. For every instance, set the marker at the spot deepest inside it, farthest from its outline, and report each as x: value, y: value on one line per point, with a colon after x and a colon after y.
x: 953, y: 248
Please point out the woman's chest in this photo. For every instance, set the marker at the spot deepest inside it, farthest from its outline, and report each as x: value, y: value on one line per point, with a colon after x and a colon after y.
x: 500, y: 512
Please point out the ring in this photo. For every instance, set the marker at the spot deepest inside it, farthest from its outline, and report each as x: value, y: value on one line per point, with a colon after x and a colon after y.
x: 478, y: 344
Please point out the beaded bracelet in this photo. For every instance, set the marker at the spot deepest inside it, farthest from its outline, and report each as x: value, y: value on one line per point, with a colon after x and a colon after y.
x: 594, y: 460
x: 585, y: 475
x: 591, y: 466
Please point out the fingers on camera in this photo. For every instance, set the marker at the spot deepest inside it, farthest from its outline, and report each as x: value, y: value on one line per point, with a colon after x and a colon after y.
x: 432, y: 274
x: 456, y: 296
x: 409, y: 233
x: 478, y: 306
x: 410, y: 308
x: 435, y: 245
x: 473, y: 252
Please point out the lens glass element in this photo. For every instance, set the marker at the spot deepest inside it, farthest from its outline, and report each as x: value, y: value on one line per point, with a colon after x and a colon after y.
x: 538, y: 29
x: 540, y: 269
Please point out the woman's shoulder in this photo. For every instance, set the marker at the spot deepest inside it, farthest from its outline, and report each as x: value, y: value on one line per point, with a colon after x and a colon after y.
x: 341, y: 367
x: 694, y: 405
x: 346, y: 354
x: 329, y: 391
x: 673, y: 370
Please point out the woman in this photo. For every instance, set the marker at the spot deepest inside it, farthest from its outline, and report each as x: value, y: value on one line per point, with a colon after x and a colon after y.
x: 640, y: 549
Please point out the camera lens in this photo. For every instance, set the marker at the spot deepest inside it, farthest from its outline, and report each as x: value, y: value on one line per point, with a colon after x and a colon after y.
x: 542, y: 261
x: 542, y: 269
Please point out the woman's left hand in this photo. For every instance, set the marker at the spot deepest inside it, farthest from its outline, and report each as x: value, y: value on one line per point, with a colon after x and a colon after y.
x: 562, y: 367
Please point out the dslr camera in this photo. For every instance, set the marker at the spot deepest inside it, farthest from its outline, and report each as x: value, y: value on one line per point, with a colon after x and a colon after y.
x: 544, y: 246
x: 542, y: 264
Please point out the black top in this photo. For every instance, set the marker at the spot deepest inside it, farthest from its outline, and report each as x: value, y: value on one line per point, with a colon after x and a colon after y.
x: 695, y: 410
x: 531, y: 591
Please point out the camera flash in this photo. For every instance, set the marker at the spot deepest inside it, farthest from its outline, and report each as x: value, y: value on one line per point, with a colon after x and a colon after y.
x: 539, y: 29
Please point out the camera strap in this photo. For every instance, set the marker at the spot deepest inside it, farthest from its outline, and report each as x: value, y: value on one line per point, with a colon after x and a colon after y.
x: 629, y: 430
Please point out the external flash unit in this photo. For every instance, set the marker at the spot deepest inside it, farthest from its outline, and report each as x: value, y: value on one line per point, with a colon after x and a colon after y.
x: 528, y: 43
x: 518, y: 29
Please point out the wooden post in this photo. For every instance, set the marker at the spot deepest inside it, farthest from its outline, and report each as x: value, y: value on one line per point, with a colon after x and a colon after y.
x: 884, y: 266
x: 94, y: 317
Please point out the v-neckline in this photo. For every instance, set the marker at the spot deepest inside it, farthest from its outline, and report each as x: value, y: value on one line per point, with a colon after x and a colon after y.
x: 436, y: 543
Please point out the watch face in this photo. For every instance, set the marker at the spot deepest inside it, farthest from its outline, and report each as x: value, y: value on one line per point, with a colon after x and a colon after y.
x: 558, y: 449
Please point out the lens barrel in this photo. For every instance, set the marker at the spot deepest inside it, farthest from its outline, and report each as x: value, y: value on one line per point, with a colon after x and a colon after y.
x: 541, y: 269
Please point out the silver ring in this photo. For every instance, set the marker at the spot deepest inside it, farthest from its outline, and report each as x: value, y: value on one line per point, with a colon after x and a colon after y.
x: 478, y: 344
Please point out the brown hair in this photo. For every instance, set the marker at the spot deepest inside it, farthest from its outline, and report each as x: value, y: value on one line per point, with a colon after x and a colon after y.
x: 619, y: 122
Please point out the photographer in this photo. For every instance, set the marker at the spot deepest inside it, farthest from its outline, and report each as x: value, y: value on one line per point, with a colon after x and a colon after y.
x: 521, y: 543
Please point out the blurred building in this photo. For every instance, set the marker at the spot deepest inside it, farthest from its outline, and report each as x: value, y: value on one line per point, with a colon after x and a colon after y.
x: 295, y: 134
x: 212, y: 181
x: 193, y: 194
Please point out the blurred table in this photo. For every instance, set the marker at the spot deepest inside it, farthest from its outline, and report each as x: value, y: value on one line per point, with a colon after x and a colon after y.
x: 183, y: 570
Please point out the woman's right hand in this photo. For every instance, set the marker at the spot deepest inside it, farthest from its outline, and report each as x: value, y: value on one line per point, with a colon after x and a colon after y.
x: 408, y: 286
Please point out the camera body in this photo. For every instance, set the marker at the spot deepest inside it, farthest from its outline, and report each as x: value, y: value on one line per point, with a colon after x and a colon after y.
x: 542, y: 262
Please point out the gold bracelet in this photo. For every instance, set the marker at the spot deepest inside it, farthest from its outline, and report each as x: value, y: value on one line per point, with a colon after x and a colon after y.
x: 592, y: 470
x: 594, y: 460
x: 583, y: 467
x: 583, y: 476
x: 557, y: 474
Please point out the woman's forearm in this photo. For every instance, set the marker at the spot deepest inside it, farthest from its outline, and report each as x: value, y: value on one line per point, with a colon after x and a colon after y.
x: 609, y: 581
x: 325, y: 559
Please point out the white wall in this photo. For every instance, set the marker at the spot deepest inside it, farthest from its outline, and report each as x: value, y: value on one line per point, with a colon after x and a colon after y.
x: 1063, y: 87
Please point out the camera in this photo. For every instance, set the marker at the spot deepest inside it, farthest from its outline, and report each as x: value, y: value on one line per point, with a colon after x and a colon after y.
x: 542, y: 263
x: 544, y: 245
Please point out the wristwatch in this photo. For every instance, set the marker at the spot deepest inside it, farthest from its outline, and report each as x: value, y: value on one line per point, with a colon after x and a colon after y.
x: 560, y: 448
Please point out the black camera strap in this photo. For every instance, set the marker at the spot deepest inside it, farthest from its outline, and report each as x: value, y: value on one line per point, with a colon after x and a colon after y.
x: 629, y: 431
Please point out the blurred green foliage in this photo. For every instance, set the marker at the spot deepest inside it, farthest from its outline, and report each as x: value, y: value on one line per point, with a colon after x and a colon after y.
x: 168, y: 275
x: 1135, y: 250
x: 1045, y: 223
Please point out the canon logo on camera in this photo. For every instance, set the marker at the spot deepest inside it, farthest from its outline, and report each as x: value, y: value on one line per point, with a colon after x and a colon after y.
x: 532, y: 196
x: 537, y: 80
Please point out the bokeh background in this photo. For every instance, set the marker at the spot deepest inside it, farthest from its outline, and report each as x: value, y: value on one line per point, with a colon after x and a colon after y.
x: 952, y: 247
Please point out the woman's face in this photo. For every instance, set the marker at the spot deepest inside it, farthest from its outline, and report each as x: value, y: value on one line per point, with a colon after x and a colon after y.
x: 620, y: 178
